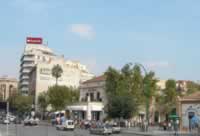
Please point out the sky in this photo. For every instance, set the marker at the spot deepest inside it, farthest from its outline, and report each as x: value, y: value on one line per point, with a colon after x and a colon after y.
x: 163, y: 35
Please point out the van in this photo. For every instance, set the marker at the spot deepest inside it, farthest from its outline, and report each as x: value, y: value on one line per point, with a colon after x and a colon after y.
x: 67, y: 125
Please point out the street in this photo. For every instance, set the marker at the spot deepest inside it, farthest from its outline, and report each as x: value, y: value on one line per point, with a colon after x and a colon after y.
x: 43, y: 130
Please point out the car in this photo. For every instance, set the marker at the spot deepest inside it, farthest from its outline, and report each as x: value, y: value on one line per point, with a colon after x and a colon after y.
x: 116, y: 128
x: 31, y: 121
x: 6, y: 121
x: 17, y: 121
x: 11, y: 118
x: 67, y: 125
x: 101, y: 130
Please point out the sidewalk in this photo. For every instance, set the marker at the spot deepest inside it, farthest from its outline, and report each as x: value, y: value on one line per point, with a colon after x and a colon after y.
x: 154, y: 131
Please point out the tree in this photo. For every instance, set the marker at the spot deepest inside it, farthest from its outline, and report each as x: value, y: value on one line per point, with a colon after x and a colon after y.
x: 169, y: 96
x: 61, y: 96
x: 121, y: 106
x: 130, y: 84
x: 57, y: 72
x: 112, y: 78
x: 150, y: 91
x: 192, y: 87
x: 43, y: 102
x: 137, y: 85
x: 22, y: 104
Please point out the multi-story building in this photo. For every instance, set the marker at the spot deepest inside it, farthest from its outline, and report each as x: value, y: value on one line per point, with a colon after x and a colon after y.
x: 92, y: 100
x: 35, y: 51
x: 40, y: 77
x: 8, y: 87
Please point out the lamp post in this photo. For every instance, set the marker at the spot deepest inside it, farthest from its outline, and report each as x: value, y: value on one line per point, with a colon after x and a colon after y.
x: 146, y: 93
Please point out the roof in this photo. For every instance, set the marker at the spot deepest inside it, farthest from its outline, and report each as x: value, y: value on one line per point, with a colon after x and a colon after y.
x: 96, y: 79
x: 8, y: 79
x: 193, y: 96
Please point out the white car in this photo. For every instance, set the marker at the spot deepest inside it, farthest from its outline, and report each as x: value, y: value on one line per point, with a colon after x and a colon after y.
x: 11, y: 118
x: 68, y: 125
x: 31, y: 121
x: 6, y: 121
x: 116, y: 128
x: 101, y: 130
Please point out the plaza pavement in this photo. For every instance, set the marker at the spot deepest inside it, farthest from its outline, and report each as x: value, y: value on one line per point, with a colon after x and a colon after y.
x: 156, y: 131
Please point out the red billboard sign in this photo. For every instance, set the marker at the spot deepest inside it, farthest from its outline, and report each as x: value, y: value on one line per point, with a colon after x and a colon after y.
x: 34, y: 40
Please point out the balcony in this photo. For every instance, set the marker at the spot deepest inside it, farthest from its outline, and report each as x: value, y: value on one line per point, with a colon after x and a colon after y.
x: 24, y: 83
x: 23, y: 70
x: 28, y: 65
x: 25, y: 77
x: 92, y: 100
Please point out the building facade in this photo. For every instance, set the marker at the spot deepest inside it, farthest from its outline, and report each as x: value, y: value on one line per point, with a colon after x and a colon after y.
x: 8, y: 87
x: 92, y: 100
x: 187, y: 108
x: 41, y: 75
x: 35, y: 69
x: 35, y: 52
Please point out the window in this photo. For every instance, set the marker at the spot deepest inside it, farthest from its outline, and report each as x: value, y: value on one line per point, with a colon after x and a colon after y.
x: 91, y: 96
x: 98, y: 96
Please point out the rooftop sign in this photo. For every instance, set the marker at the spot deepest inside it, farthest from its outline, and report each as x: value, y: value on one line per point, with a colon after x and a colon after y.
x: 34, y: 40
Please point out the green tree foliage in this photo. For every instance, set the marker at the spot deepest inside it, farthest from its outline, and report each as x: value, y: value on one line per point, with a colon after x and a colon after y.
x: 151, y: 81
x: 61, y: 96
x: 57, y: 72
x: 121, y: 106
x: 43, y: 102
x: 169, y: 96
x: 137, y: 85
x: 192, y: 87
x: 112, y: 78
x: 127, y: 87
x: 22, y: 104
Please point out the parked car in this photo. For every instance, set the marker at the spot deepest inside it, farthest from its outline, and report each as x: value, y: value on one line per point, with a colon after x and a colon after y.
x: 101, y: 130
x: 6, y: 121
x: 11, y: 118
x: 17, y: 121
x: 116, y: 128
x: 31, y: 121
x: 67, y: 125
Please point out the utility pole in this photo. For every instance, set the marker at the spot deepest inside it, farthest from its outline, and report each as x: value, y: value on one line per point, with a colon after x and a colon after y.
x: 7, y: 125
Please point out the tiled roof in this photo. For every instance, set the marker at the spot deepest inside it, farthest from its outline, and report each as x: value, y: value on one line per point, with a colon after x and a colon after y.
x: 195, y: 95
x: 96, y: 79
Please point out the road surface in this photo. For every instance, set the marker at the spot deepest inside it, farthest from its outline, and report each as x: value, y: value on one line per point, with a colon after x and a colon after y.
x: 43, y: 130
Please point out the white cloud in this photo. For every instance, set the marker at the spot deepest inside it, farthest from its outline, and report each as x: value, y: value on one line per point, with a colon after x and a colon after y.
x: 85, y: 31
x: 158, y: 64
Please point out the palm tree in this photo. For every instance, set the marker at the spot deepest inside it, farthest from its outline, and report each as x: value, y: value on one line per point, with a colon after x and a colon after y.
x: 57, y: 72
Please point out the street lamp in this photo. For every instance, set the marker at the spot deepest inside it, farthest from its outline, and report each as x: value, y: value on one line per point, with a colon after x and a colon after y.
x: 146, y: 92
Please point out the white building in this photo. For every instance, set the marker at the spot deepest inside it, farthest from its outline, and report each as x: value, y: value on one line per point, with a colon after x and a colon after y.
x: 41, y: 75
x: 92, y: 100
x: 35, y: 52
x: 37, y: 62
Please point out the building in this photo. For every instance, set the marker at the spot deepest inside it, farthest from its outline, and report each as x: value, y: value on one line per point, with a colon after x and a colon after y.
x: 35, y: 52
x: 8, y: 87
x: 188, y: 107
x: 37, y: 61
x: 92, y: 100
x: 41, y: 75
